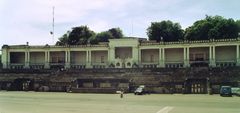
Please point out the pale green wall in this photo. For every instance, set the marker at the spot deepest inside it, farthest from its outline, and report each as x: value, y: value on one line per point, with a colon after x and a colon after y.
x: 57, y: 57
x: 201, y: 50
x: 174, y: 55
x: 78, y: 57
x: 147, y: 53
x: 17, y: 57
x: 123, y: 52
x: 37, y: 57
x: 226, y: 53
x: 96, y: 56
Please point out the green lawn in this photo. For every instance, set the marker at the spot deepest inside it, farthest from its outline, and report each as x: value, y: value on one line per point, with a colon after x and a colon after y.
x: 41, y: 102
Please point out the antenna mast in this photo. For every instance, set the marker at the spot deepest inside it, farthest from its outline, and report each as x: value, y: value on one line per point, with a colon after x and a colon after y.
x: 53, y: 26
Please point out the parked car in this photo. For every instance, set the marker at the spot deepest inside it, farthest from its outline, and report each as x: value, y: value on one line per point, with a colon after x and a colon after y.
x: 235, y: 91
x: 141, y: 90
x: 226, y: 91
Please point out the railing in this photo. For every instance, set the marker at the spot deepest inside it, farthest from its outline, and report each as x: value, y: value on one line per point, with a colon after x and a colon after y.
x: 36, y: 65
x: 230, y: 63
x: 78, y: 65
x: 99, y: 65
x: 174, y: 64
x: 16, y: 66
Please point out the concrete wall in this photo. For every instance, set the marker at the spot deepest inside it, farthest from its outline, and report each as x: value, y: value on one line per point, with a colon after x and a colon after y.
x: 123, y: 52
x: 17, y: 57
x: 57, y: 57
x: 174, y: 55
x: 202, y: 51
x: 226, y: 53
x: 99, y: 56
x: 78, y: 57
x: 146, y: 55
x: 37, y: 57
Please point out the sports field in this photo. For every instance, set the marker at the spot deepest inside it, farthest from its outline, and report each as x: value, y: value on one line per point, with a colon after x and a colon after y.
x: 45, y: 102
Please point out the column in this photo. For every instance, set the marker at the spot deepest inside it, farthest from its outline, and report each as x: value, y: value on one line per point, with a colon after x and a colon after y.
x: 135, y: 55
x: 89, y: 62
x: 163, y: 57
x: 5, y: 57
x: 112, y: 55
x: 186, y: 56
x: 160, y: 62
x: 237, y: 56
x: 46, y: 65
x: 67, y: 62
x: 213, y: 57
x: 139, y: 58
x: 212, y: 62
x: 86, y: 57
x: 210, y: 56
x: 26, y: 65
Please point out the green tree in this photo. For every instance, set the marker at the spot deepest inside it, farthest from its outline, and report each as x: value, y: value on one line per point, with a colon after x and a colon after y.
x: 212, y: 27
x: 165, y: 30
x: 116, y: 32
x: 113, y: 33
x: 78, y: 36
x: 63, y: 40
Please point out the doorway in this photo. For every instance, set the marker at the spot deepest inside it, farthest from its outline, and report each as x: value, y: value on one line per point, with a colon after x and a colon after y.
x: 196, y: 86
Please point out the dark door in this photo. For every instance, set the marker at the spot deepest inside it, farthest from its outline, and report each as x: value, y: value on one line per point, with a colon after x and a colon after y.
x: 196, y: 86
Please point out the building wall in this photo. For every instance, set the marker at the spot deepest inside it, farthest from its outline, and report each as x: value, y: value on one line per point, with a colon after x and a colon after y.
x: 149, y: 55
x: 37, y: 57
x: 123, y: 52
x: 17, y: 57
x: 78, y: 57
x: 57, y: 57
x: 99, y: 56
x: 193, y: 52
x: 174, y: 55
x: 226, y: 53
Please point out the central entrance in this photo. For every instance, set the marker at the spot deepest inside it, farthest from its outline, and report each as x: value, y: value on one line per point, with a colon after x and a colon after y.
x: 196, y: 86
x: 123, y: 56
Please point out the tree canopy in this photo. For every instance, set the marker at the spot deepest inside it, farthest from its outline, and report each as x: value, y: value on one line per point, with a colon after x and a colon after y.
x: 113, y: 33
x: 83, y: 35
x: 212, y: 27
x: 165, y: 31
x: 78, y: 36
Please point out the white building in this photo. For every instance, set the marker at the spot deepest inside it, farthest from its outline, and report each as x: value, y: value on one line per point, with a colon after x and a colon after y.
x: 124, y: 53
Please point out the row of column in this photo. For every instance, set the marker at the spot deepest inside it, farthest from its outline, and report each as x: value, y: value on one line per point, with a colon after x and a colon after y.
x: 136, y: 53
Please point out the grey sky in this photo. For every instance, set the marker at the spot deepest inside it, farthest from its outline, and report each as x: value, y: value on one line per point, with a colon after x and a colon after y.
x: 31, y: 20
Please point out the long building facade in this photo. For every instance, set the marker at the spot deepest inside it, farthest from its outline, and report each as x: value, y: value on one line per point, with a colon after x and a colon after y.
x: 124, y: 53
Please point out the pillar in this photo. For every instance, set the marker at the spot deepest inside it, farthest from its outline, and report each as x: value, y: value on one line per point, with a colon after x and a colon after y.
x: 212, y: 62
x: 5, y: 57
x: 163, y: 57
x: 111, y: 55
x: 27, y: 59
x: 237, y: 56
x: 89, y: 57
x: 161, y: 60
x: 67, y: 59
x: 139, y: 57
x: 186, y: 56
x: 47, y: 60
x: 135, y: 55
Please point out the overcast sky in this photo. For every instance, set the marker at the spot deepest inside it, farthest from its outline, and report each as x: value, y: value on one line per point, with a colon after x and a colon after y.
x: 30, y: 21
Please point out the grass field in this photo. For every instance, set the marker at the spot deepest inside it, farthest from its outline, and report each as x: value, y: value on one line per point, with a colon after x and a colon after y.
x: 45, y: 102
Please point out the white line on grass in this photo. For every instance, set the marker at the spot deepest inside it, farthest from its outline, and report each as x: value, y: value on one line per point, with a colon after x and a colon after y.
x: 165, y: 109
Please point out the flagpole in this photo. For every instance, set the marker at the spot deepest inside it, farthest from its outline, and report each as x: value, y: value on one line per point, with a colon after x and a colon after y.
x: 53, y: 26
